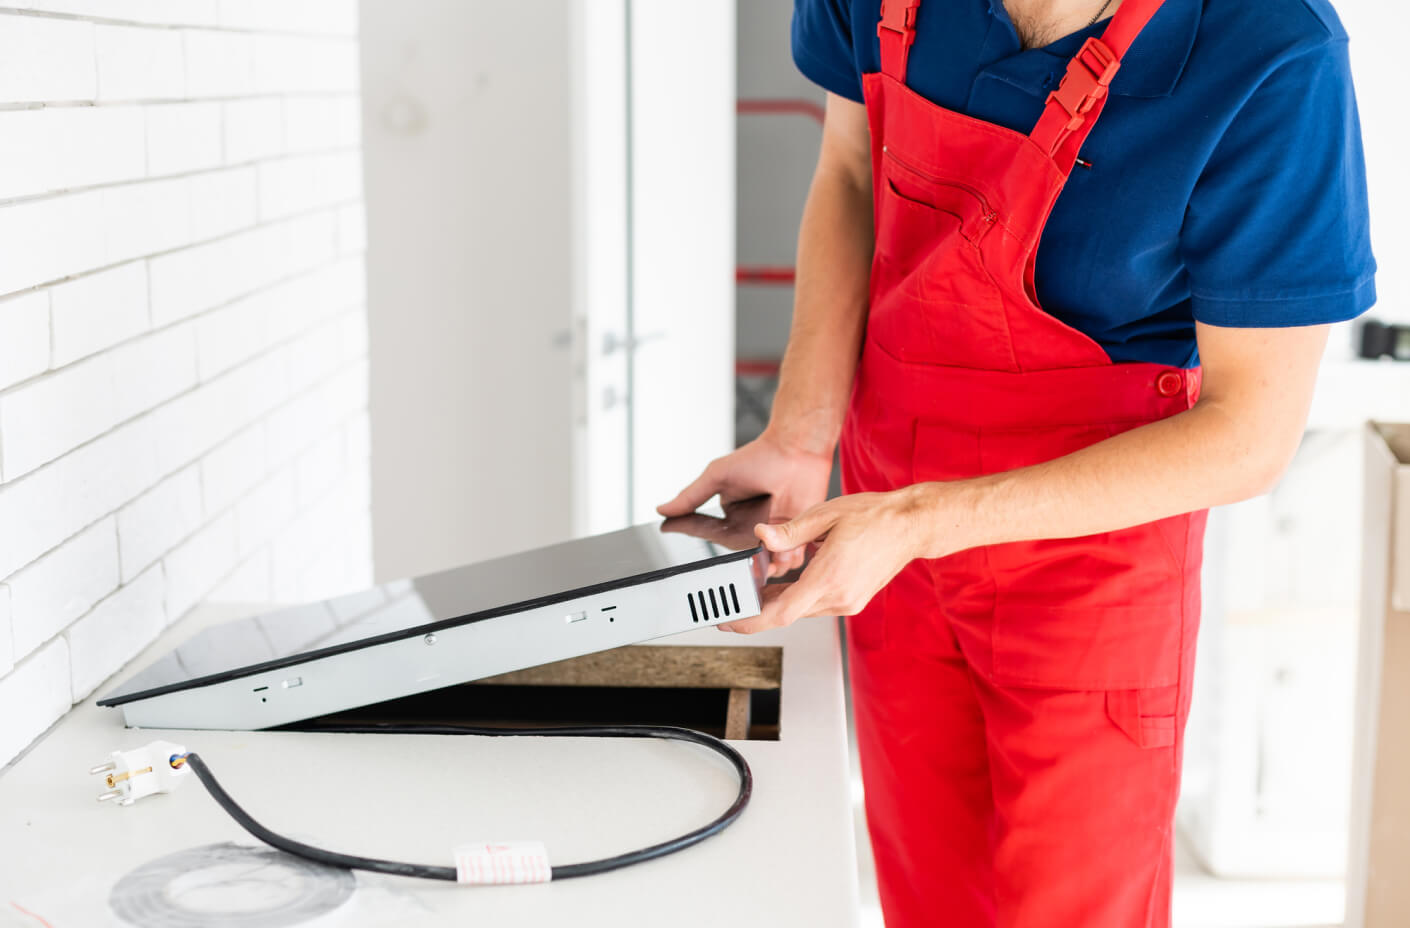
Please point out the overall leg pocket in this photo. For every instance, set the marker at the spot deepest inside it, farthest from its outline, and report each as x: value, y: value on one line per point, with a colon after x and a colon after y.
x: 1148, y: 716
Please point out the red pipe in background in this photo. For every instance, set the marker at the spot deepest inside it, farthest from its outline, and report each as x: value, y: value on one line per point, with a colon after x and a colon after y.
x: 765, y: 274
x: 807, y: 108
x: 757, y: 367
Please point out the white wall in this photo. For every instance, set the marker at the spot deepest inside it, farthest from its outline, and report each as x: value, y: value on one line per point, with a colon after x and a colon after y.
x: 469, y: 268
x: 1381, y: 69
x: 182, y: 333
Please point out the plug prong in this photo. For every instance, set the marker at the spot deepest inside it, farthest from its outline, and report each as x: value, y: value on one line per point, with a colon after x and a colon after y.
x: 103, y: 768
x: 109, y: 795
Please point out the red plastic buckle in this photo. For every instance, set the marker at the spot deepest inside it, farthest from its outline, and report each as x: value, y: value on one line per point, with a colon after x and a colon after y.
x: 899, y: 16
x: 1088, y: 74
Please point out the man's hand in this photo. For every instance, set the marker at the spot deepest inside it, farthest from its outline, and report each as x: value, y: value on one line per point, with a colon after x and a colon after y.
x: 861, y: 542
x: 795, y: 479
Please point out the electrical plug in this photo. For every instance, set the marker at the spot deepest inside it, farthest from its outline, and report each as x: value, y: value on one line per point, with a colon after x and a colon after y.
x: 158, y: 767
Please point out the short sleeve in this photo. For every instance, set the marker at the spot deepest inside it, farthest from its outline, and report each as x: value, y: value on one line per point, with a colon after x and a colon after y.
x: 822, y: 46
x: 1277, y: 230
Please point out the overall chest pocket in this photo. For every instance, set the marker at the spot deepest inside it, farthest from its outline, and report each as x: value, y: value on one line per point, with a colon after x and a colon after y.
x: 920, y: 210
x: 933, y: 300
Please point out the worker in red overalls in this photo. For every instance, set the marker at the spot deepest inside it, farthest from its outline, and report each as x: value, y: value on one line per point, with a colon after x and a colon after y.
x: 1030, y: 436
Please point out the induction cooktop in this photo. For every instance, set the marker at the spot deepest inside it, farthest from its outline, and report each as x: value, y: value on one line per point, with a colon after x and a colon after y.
x: 458, y: 625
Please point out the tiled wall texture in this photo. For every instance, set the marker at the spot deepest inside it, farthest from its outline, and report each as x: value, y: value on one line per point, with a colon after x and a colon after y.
x: 183, y: 339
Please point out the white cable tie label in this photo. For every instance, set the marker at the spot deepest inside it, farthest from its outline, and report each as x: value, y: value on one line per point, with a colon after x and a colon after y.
x: 502, y: 862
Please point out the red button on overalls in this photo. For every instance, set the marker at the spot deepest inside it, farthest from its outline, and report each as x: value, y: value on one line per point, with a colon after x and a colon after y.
x: 1019, y: 707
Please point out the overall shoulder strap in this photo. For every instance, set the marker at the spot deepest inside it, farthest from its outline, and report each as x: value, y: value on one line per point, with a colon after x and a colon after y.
x: 1072, y: 109
x: 897, y: 31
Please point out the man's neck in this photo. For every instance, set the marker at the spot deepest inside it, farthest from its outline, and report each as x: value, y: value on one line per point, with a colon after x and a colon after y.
x: 1042, y: 22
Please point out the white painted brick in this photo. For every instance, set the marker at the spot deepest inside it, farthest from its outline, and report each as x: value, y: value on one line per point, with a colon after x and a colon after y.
x: 58, y: 148
x: 319, y: 468
x: 141, y: 219
x: 263, y: 512
x: 322, y: 123
x: 63, y: 585
x: 139, y: 64
x: 25, y: 152
x: 353, y: 335
x: 299, y: 183
x: 35, y: 695
x: 54, y: 414
x: 292, y: 64
x: 115, y: 631
x: 327, y: 576
x: 222, y: 202
x: 51, y: 415
x: 300, y: 308
x: 198, y: 564
x: 48, y: 239
x: 7, y: 649
x: 94, y: 145
x: 312, y: 240
x: 346, y: 391
x: 352, y: 229
x: 232, y: 469
x: 162, y: 12
x: 301, y: 543
x: 45, y: 59
x: 254, y: 129
x: 24, y: 337
x: 235, y: 333
x: 219, y: 64
x: 321, y: 17
x: 153, y: 369
x: 195, y: 422
x: 183, y: 137
x: 345, y: 282
x: 196, y: 279
x: 359, y: 441
x: 156, y: 521
x: 318, y: 296
x: 297, y: 424
x: 315, y: 355
x: 249, y: 583
x: 56, y: 501
x: 98, y: 311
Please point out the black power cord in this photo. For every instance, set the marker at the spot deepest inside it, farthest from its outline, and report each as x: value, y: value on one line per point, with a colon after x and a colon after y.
x: 560, y: 872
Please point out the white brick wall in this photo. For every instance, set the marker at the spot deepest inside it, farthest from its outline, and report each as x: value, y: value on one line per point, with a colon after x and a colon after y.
x: 183, y: 342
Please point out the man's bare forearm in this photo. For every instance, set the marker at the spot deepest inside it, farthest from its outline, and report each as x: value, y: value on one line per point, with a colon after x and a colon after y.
x: 829, y: 312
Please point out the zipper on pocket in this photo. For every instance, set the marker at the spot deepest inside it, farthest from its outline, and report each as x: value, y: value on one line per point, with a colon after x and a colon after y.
x: 990, y: 215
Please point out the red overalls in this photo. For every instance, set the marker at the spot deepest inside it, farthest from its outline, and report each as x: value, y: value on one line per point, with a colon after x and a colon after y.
x: 1019, y: 707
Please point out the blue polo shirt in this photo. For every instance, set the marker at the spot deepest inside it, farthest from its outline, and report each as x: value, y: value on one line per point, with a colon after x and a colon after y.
x: 1226, y: 185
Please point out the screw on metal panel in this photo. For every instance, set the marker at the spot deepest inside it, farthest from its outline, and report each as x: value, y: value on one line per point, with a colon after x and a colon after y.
x: 431, y: 638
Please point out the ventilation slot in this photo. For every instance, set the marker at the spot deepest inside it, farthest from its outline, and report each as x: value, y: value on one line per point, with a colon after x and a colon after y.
x: 705, y: 604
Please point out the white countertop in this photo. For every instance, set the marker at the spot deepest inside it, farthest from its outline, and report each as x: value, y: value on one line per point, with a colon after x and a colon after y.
x: 789, y: 860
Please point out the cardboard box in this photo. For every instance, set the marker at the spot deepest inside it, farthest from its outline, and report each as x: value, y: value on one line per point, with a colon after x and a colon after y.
x: 1378, y: 872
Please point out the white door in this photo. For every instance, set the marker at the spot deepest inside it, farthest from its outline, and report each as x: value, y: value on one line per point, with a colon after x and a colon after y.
x: 682, y: 114
x: 654, y: 335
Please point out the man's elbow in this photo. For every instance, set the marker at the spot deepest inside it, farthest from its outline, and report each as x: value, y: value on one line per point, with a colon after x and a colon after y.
x: 1261, y: 467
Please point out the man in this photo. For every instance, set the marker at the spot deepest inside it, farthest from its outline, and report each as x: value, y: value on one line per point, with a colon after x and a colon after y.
x: 1030, y: 435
